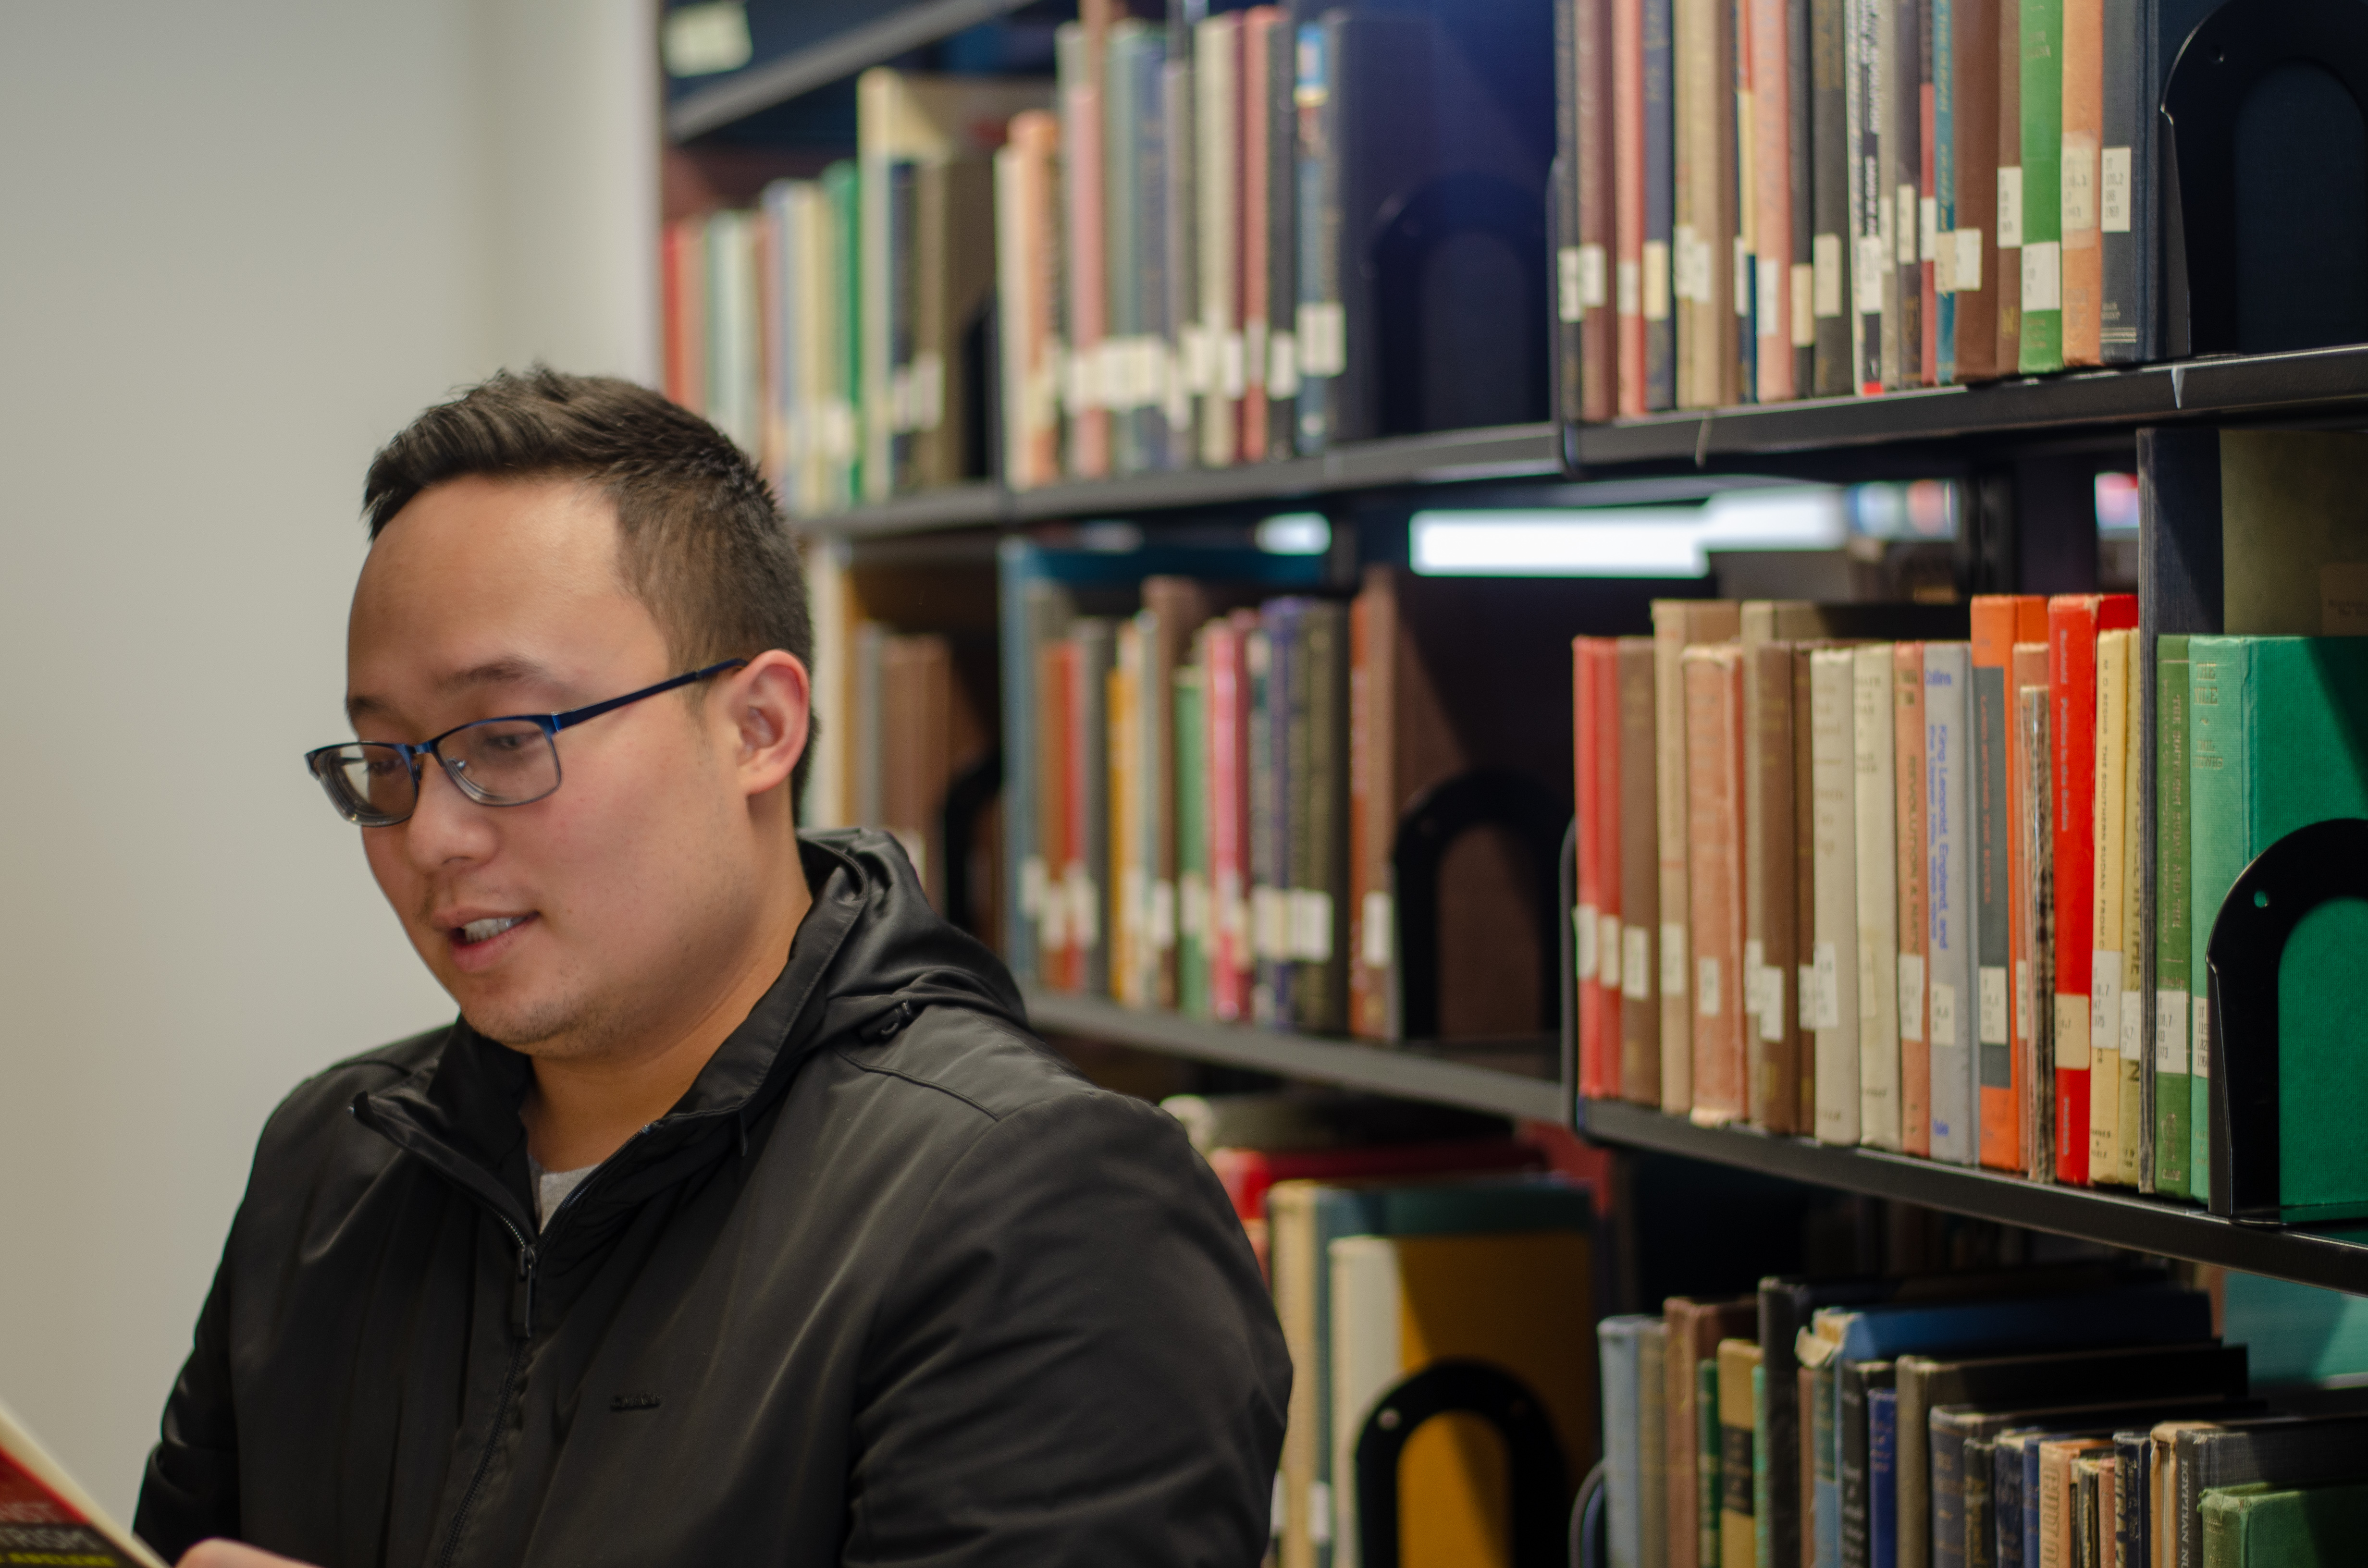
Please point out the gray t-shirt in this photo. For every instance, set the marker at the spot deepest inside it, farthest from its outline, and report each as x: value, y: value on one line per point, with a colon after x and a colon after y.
x: 552, y: 1187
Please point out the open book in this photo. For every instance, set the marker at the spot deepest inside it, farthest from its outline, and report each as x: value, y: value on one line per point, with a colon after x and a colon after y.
x: 46, y: 1518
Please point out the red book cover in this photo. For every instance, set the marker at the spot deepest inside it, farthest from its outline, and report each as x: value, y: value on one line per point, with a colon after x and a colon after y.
x: 45, y: 1518
x: 1594, y: 1046
x: 1603, y: 679
x: 1999, y: 622
x: 2073, y: 622
x: 1247, y: 1172
x: 1628, y: 197
x: 1056, y: 660
x: 1226, y: 701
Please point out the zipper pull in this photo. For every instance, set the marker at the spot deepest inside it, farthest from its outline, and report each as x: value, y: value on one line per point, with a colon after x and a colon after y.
x: 522, y: 1295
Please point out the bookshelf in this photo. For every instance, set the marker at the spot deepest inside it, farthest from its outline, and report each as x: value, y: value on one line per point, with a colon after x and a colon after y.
x: 1952, y: 430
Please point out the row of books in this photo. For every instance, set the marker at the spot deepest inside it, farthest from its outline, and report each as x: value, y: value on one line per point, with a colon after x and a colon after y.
x: 1777, y: 199
x: 1205, y: 782
x: 1944, y: 1421
x: 1901, y: 887
x: 1387, y: 1259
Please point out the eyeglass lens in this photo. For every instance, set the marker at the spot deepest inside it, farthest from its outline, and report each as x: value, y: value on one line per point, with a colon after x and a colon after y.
x: 502, y: 762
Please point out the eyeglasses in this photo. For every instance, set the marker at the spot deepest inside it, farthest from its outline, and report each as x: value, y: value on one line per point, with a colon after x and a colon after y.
x: 510, y: 761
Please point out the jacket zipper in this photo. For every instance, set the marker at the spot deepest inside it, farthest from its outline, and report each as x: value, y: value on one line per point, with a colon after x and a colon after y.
x: 525, y: 1327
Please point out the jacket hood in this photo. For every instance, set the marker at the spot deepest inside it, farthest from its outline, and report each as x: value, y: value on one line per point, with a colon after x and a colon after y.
x: 869, y: 956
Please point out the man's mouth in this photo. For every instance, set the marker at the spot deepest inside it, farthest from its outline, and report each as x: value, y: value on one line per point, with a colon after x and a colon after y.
x: 485, y: 930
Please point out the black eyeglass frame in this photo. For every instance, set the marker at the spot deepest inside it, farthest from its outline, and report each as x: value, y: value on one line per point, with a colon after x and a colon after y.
x: 316, y: 761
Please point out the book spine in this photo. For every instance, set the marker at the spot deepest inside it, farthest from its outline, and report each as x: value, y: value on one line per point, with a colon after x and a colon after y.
x: 2217, y: 849
x: 2121, y: 168
x: 1801, y: 201
x: 1321, y: 331
x: 1122, y: 772
x: 1123, y: 199
x: 1657, y: 288
x: 1281, y: 357
x: 1856, y: 1536
x: 1823, y: 1549
x: 1594, y: 1068
x: 2041, y: 312
x: 2036, y: 960
x: 1804, y: 892
x: 2072, y: 691
x: 1742, y: 255
x: 1993, y: 896
x: 1940, y: 156
x: 1972, y: 250
x: 1874, y: 796
x: 1626, y: 197
x: 1833, y: 963
x: 1085, y: 277
x: 1181, y: 354
x: 1881, y: 1478
x: 1618, y: 1343
x: 1257, y: 165
x: 1980, y: 1517
x: 1715, y: 849
x: 1603, y: 675
x: 1640, y: 876
x: 2006, y: 255
x: 1192, y: 925
x: 1670, y: 817
x: 2136, y: 1121
x: 2108, y: 832
x: 1948, y: 1441
x: 1319, y: 890
x: 1089, y: 804
x: 1217, y: 171
x: 1830, y: 186
x: 2173, y: 921
x: 1771, y: 188
x: 1908, y: 774
x: 1740, y: 1402
x: 1763, y: 1525
x: 2083, y: 141
x: 1708, y: 1456
x: 1899, y: 50
x: 1917, y: 80
x: 1681, y: 1439
x: 1948, y: 820
x: 1652, y: 1443
x: 1769, y: 933
x: 1869, y: 253
x: 1698, y: 83
x: 1372, y: 636
x: 1226, y: 701
x: 1587, y: 121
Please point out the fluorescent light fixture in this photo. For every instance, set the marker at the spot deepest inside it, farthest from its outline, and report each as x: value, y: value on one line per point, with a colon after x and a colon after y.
x: 1296, y: 533
x: 1623, y: 542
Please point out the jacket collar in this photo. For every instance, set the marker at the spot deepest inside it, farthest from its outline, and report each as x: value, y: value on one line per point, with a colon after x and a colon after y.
x: 867, y: 947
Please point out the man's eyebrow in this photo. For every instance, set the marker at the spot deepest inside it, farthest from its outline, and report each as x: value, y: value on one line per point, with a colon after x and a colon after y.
x: 508, y: 670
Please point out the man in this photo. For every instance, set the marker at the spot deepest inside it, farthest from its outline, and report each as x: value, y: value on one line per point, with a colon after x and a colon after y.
x: 738, y: 1219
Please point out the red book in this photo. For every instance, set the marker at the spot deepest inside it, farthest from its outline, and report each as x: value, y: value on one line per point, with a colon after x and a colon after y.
x: 1603, y: 681
x: 1628, y: 198
x: 683, y: 300
x: 1247, y: 1172
x: 1054, y: 693
x: 2073, y: 622
x: 1226, y: 701
x: 1594, y: 1046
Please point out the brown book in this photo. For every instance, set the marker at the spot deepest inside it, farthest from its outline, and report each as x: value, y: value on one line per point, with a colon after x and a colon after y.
x: 935, y: 727
x: 1588, y: 99
x: 1805, y: 891
x: 1257, y: 167
x: 1640, y: 877
x: 1677, y: 623
x: 1372, y: 820
x: 1438, y: 704
x: 2059, y: 1495
x: 1772, y: 1053
x: 2084, y: 139
x: 1054, y: 698
x: 1975, y: 111
x: 2006, y: 252
x: 1915, y: 1047
x: 954, y: 203
x: 1694, y: 1330
x: 1702, y: 63
x: 1715, y: 875
x: 1319, y: 892
x: 1173, y: 609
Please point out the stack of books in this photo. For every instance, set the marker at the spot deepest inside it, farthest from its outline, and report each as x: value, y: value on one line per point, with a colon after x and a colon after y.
x: 1785, y: 199
x: 2074, y: 1414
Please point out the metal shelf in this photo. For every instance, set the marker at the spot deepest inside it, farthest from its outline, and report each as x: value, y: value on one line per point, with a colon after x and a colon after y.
x: 776, y: 82
x: 2233, y: 387
x: 1459, y: 1079
x: 2338, y: 1261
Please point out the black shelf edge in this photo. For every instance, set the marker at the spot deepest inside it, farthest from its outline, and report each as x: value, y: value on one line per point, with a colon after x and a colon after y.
x: 979, y: 505
x: 2122, y: 1219
x: 792, y: 75
x: 1379, y: 1070
x: 2233, y: 386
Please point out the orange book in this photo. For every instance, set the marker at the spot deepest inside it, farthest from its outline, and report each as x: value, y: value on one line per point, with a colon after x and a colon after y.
x: 1915, y: 943
x: 1714, y: 866
x: 683, y: 268
x: 2084, y: 139
x: 1999, y: 622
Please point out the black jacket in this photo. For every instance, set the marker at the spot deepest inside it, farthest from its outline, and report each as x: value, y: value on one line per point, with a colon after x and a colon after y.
x: 889, y: 1285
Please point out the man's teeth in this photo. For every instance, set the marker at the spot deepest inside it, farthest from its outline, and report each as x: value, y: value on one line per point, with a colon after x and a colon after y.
x: 486, y: 930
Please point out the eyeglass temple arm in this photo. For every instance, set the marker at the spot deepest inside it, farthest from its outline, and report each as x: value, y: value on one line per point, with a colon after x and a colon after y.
x: 558, y: 721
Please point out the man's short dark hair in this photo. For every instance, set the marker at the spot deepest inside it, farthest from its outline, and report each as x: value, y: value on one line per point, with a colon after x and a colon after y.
x: 701, y: 541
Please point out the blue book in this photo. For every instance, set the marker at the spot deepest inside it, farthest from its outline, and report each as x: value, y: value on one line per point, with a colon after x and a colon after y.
x: 2149, y: 1312
x: 1826, y: 1493
x: 2006, y: 1502
x: 1618, y: 1340
x: 1942, y: 45
x: 1882, y: 1477
x: 1949, y: 841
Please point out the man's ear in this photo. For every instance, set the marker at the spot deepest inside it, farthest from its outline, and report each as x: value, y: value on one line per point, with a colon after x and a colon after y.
x: 768, y: 705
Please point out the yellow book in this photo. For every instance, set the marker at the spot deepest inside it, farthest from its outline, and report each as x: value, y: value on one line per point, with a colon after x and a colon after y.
x: 1291, y: 1261
x: 1124, y: 681
x: 1400, y: 1304
x: 2112, y: 842
x: 2135, y: 1123
x: 1738, y: 1363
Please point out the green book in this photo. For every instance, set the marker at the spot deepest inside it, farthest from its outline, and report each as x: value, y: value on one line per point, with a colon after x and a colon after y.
x: 843, y: 188
x: 1707, y: 1459
x: 2172, y: 937
x: 1191, y: 849
x: 2042, y: 171
x: 2278, y: 738
x: 2253, y: 1526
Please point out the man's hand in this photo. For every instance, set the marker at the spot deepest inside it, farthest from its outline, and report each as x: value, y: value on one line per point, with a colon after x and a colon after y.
x: 231, y: 1555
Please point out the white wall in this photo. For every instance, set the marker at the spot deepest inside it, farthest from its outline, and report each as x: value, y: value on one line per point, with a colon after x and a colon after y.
x: 243, y: 241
